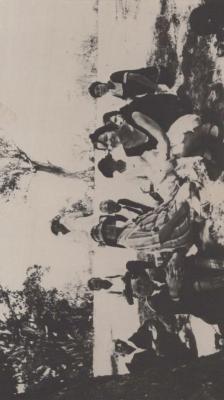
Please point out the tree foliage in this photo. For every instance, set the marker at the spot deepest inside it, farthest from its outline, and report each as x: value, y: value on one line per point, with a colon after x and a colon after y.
x: 46, y: 336
x: 16, y: 168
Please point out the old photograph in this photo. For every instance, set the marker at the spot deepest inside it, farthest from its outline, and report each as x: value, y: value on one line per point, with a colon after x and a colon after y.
x: 112, y: 200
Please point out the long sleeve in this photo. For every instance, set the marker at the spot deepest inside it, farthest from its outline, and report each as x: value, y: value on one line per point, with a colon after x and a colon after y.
x: 138, y: 208
x: 121, y: 218
x: 146, y: 84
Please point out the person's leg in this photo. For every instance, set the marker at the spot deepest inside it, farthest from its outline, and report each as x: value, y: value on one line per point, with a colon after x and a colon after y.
x: 151, y: 72
x: 167, y: 76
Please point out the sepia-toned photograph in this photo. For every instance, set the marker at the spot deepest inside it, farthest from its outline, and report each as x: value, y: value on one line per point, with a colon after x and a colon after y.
x: 112, y: 200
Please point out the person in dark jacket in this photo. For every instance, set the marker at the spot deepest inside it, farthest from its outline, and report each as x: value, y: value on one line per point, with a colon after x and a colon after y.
x: 194, y: 285
x: 128, y: 84
x: 134, y: 140
x: 141, y: 125
x: 208, y: 19
x: 164, y: 109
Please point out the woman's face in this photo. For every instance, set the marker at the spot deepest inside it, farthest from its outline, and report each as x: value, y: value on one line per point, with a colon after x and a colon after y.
x: 110, y: 140
x: 117, y: 120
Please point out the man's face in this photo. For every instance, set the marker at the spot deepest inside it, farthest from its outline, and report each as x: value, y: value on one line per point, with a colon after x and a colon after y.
x: 109, y: 207
x: 100, y: 89
x: 110, y: 140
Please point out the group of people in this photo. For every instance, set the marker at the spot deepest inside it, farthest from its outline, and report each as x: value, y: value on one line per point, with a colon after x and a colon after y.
x: 178, y: 159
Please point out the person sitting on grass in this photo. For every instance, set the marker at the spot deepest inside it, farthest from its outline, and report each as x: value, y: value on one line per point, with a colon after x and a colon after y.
x: 128, y: 84
x: 114, y: 207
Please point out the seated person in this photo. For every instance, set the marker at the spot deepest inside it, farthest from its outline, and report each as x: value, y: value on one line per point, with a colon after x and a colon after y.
x: 193, y: 286
x: 187, y: 136
x: 141, y: 125
x: 119, y: 283
x: 169, y: 344
x: 113, y: 207
x: 154, y: 177
x: 133, y: 140
x: 128, y: 84
x: 164, y: 229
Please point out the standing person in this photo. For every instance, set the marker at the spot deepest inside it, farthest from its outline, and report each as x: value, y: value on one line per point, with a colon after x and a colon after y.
x: 128, y: 84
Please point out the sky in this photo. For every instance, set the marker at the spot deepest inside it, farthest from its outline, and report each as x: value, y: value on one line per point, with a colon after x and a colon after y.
x: 44, y: 109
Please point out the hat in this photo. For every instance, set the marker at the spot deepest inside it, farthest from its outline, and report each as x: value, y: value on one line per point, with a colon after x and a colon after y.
x: 96, y: 233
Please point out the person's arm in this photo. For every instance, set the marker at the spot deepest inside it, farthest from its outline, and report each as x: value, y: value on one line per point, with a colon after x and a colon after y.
x: 154, y: 129
x: 125, y: 76
x: 146, y: 83
x: 155, y: 195
x: 143, y: 81
x: 121, y: 218
x: 138, y: 208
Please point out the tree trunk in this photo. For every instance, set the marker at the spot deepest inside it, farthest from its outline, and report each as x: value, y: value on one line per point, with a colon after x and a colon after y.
x: 200, y: 380
x: 86, y: 175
